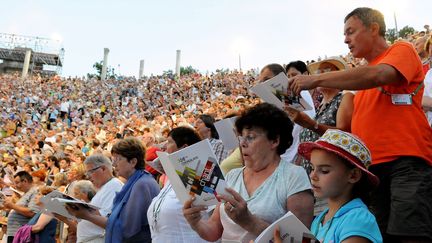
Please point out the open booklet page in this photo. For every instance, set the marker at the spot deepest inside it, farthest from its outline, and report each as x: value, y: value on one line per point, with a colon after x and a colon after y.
x: 56, y: 202
x: 227, y: 134
x: 156, y: 164
x: 275, y: 91
x: 292, y: 230
x: 193, y: 171
x: 16, y: 191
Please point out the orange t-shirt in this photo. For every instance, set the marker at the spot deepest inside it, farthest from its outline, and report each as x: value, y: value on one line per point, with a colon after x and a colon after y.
x: 391, y: 131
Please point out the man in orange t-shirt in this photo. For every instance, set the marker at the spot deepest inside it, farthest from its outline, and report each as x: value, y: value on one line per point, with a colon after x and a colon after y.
x: 388, y: 117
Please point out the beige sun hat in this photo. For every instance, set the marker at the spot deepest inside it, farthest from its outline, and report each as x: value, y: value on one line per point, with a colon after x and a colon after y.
x: 337, y: 61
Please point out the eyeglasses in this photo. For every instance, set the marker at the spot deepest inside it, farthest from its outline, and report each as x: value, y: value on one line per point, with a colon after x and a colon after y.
x: 116, y: 159
x: 248, y: 138
x: 91, y: 171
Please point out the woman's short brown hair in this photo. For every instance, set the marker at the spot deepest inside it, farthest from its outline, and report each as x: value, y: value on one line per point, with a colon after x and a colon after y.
x: 131, y: 148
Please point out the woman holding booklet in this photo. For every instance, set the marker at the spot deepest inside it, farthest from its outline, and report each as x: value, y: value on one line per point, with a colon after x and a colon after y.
x: 165, y: 212
x: 335, y: 111
x: 128, y: 219
x: 83, y: 190
x: 265, y: 189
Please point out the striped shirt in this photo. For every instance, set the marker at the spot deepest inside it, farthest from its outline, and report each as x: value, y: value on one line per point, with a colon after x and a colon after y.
x: 15, y: 219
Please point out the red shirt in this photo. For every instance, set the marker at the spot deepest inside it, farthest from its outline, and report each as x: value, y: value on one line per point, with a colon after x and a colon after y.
x: 150, y: 156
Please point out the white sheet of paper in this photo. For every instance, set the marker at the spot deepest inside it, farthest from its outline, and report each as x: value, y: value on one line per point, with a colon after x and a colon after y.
x: 56, y: 201
x: 279, y: 83
x: 226, y: 131
x: 291, y: 230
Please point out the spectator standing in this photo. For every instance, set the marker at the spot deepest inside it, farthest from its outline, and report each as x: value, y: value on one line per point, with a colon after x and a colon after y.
x: 388, y: 117
x: 206, y: 129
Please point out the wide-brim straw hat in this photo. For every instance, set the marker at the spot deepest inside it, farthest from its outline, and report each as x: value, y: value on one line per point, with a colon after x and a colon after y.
x: 337, y: 61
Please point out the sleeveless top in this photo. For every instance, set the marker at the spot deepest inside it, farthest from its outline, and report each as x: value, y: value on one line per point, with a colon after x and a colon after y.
x: 326, y: 114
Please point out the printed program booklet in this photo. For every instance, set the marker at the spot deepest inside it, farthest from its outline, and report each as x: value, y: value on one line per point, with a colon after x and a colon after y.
x: 227, y: 133
x: 194, y: 171
x: 156, y: 164
x: 56, y: 202
x: 292, y: 230
x: 275, y: 91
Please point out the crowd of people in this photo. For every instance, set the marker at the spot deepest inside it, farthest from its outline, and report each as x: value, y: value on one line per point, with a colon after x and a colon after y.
x: 354, y: 168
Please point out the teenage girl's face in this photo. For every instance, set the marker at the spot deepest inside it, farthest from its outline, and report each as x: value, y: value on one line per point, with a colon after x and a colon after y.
x: 330, y: 177
x: 292, y: 72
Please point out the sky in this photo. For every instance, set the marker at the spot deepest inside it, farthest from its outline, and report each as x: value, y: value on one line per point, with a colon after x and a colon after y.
x: 211, y: 34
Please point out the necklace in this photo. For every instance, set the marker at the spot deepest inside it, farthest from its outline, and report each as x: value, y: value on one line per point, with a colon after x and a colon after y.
x: 158, y: 205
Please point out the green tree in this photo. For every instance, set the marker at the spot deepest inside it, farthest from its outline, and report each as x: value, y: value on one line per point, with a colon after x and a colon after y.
x: 168, y: 73
x: 97, y: 66
x: 405, y: 31
x: 187, y: 70
x: 391, y: 35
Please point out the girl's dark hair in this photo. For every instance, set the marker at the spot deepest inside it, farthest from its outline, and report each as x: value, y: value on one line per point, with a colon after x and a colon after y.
x: 55, y: 160
x: 184, y: 135
x: 272, y: 120
x: 275, y: 68
x: 299, y: 65
x: 362, y: 188
x: 40, y: 144
x: 209, y: 123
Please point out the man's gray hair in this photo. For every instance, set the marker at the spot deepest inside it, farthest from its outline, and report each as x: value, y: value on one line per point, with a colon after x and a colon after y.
x: 369, y: 16
x: 86, y: 187
x: 98, y: 160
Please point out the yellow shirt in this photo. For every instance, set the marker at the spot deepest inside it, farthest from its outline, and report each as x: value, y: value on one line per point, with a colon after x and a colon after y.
x: 234, y: 160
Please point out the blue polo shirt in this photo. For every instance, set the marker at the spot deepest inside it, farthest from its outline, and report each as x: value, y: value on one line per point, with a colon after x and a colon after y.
x: 353, y: 219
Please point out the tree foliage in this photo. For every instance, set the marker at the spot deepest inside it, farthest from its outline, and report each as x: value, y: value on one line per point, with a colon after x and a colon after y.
x: 391, y: 35
x: 183, y: 71
x: 168, y: 73
x: 187, y: 70
x: 97, y: 66
x: 405, y: 31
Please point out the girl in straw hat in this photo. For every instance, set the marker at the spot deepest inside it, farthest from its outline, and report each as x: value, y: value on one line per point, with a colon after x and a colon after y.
x: 339, y: 174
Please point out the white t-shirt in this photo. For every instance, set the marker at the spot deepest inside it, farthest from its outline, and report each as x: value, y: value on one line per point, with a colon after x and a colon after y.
x: 428, y: 92
x: 65, y: 106
x: 268, y: 202
x: 104, y: 200
x: 166, y: 220
x: 291, y: 152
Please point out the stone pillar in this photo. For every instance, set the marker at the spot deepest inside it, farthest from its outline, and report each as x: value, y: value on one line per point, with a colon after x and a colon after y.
x: 141, y: 69
x: 26, y: 63
x: 105, y: 64
x: 177, y: 70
